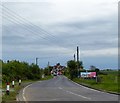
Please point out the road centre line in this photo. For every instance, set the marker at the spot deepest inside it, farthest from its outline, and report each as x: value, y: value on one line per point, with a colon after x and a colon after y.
x: 60, y: 88
x: 78, y: 95
x: 57, y: 81
x: 75, y: 94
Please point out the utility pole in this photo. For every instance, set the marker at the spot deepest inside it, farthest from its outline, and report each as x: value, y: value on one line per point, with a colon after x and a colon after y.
x: 48, y: 63
x: 48, y: 67
x: 77, y: 54
x: 74, y: 58
x: 78, y: 60
x: 36, y: 61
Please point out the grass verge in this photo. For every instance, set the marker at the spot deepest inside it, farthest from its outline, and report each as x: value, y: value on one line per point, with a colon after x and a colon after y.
x: 108, y: 87
x: 107, y: 82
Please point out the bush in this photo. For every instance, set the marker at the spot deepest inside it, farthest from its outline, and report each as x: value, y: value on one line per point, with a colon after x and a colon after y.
x: 19, y: 70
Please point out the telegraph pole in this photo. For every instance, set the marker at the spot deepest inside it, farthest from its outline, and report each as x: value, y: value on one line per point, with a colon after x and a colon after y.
x: 78, y: 60
x: 48, y: 67
x: 77, y: 54
x: 36, y: 61
x: 74, y: 58
x: 48, y: 63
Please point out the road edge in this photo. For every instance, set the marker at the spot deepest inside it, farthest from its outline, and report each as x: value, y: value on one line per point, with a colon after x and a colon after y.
x: 21, y: 91
x: 100, y: 90
x: 25, y: 86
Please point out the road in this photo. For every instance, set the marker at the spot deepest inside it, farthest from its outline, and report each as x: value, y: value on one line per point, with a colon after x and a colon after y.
x: 61, y: 89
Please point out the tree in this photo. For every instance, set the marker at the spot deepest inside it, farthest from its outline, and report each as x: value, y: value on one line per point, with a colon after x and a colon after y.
x: 47, y: 71
x: 72, y: 68
x: 20, y: 70
x: 35, y: 71
x: 97, y: 71
x: 92, y: 67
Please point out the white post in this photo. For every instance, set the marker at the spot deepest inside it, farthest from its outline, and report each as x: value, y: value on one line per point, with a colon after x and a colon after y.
x: 13, y: 83
x: 43, y: 76
x: 8, y: 88
x: 19, y: 81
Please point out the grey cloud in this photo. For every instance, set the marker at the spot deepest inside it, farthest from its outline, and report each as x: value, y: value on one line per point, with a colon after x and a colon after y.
x: 88, y: 42
x: 89, y: 38
x: 18, y: 34
x: 99, y: 32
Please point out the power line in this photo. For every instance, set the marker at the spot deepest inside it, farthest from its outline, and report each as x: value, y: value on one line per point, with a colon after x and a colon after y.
x: 31, y: 24
x: 26, y: 28
x: 19, y: 22
x: 27, y: 31
x: 20, y: 25
x: 28, y: 22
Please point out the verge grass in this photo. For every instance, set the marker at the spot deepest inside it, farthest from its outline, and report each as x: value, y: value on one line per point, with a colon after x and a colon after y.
x: 108, y: 82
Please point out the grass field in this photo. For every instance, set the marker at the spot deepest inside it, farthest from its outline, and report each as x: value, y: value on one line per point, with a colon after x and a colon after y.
x: 107, y: 82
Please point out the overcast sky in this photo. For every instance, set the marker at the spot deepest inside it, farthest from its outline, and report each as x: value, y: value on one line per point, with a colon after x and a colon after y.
x: 52, y: 29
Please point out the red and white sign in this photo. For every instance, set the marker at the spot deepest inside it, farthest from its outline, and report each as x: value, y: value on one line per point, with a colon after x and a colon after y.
x: 88, y: 74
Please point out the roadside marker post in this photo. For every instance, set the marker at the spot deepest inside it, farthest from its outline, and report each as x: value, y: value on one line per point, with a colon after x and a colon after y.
x: 43, y: 76
x: 19, y: 81
x: 8, y: 88
x: 13, y: 83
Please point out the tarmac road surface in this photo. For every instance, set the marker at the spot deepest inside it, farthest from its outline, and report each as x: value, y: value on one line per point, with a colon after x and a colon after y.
x: 62, y: 89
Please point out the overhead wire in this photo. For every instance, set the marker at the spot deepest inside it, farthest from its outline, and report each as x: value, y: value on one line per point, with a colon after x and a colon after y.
x: 28, y: 22
x: 31, y: 23
x: 29, y: 29
x: 16, y: 16
x: 26, y: 28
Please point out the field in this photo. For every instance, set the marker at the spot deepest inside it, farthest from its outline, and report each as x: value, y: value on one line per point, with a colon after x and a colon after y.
x: 107, y: 81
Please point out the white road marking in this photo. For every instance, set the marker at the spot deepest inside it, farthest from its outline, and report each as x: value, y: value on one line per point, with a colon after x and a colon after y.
x: 24, y: 91
x: 89, y: 88
x: 57, y: 80
x: 60, y: 88
x: 78, y: 95
x: 75, y: 94
x: 53, y: 99
x: 17, y: 99
x: 85, y: 87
